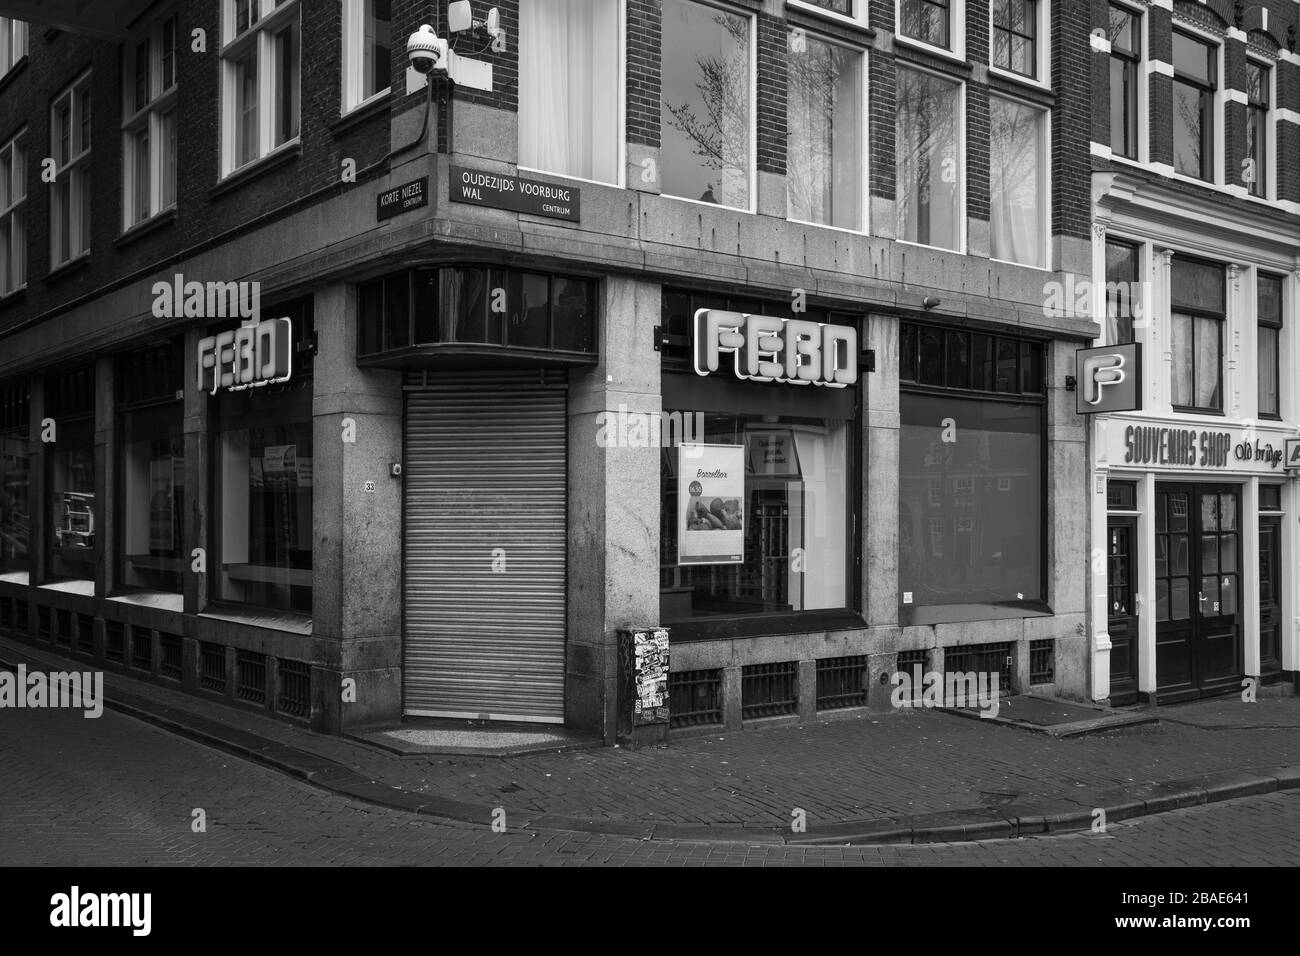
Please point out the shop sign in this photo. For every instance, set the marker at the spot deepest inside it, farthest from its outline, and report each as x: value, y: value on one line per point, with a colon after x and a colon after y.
x: 515, y: 193
x: 1292, y: 453
x: 1159, y: 446
x: 1108, y: 379
x: 403, y: 198
x: 710, y: 504
x: 767, y: 349
x: 256, y: 353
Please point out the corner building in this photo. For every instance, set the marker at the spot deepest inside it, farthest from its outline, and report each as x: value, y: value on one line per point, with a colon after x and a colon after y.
x: 477, y: 464
x: 1195, y: 204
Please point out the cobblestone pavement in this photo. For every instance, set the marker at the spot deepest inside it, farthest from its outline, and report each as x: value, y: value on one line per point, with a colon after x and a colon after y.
x: 115, y: 791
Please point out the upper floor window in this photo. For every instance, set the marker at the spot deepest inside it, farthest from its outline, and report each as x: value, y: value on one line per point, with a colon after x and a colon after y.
x: 1196, y: 81
x: 936, y: 23
x: 13, y: 215
x: 1198, y: 292
x: 1018, y: 160
x: 149, y: 123
x: 570, y: 88
x: 928, y: 159
x: 260, y: 59
x: 1016, y: 31
x: 853, y: 9
x: 707, y: 147
x: 367, y: 50
x: 1259, y: 99
x: 1124, y: 298
x: 1125, y: 35
x: 824, y: 100
x: 1268, y: 307
x: 70, y: 148
x: 13, y: 43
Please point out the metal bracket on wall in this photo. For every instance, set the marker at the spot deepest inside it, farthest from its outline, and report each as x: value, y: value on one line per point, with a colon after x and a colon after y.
x: 663, y: 340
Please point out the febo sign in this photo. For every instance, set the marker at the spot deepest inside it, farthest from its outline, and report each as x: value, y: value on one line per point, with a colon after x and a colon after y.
x: 768, y: 349
x: 1108, y: 379
x: 256, y: 353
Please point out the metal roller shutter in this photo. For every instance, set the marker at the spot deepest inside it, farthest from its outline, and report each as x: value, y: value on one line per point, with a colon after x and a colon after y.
x: 485, y: 470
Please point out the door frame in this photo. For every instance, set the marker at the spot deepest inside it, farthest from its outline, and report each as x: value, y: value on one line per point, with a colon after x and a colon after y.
x: 1125, y: 691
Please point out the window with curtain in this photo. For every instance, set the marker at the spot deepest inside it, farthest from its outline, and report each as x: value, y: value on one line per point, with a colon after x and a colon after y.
x: 1015, y: 36
x: 149, y: 123
x: 1198, y: 291
x: 13, y: 43
x: 706, y: 133
x: 367, y: 50
x: 260, y: 67
x: 1195, y: 83
x: 1124, y: 297
x: 1125, y: 35
x: 824, y: 132
x: 569, y: 87
x: 930, y: 21
x: 70, y: 195
x: 1268, y: 367
x: 1259, y: 94
x: 1017, y: 182
x: 928, y: 155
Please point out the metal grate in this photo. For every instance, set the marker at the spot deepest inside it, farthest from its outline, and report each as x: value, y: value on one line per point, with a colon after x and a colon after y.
x: 170, y: 665
x: 212, y: 666
x: 294, y: 698
x: 1042, y: 661
x: 906, y: 662
x: 694, y: 698
x: 85, y: 633
x: 63, y: 628
x: 6, y: 613
x: 250, y: 676
x: 981, y: 659
x: 841, y: 682
x: 115, y: 641
x: 141, y: 649
x: 769, y: 690
x: 43, y: 617
x: 21, y: 621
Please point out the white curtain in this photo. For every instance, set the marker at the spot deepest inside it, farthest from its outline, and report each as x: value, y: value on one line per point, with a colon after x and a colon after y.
x: 1016, y: 219
x: 569, y: 86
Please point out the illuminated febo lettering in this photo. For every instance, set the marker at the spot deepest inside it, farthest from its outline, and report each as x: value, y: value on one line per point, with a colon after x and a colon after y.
x: 839, y: 355
x: 225, y: 358
x: 716, y: 331
x: 207, y: 363
x: 274, y: 354
x: 245, y: 371
x: 252, y: 355
x: 763, y: 345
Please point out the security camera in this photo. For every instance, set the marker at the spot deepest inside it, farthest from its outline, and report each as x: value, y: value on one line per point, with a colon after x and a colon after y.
x: 426, y: 50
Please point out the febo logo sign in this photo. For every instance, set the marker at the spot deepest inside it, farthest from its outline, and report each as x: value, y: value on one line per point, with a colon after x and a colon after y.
x: 256, y: 353
x: 1109, y: 379
x: 768, y: 349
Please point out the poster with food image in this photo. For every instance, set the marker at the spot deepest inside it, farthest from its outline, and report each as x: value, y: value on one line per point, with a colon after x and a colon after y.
x: 710, y: 504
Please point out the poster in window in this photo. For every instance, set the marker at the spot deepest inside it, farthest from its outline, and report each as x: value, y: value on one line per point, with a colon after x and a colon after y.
x: 710, y: 504
x: 772, y: 453
x: 162, y: 473
x: 280, y: 465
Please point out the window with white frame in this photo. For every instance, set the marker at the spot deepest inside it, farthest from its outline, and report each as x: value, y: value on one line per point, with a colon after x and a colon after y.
x: 13, y: 215
x: 1125, y: 36
x: 1018, y: 205
x: 853, y: 9
x: 367, y: 50
x: 824, y: 115
x: 1019, y: 31
x: 1196, y: 84
x: 707, y: 128
x: 13, y: 43
x: 149, y: 125
x: 260, y: 58
x: 936, y: 23
x: 1259, y: 99
x: 928, y: 159
x: 70, y: 149
x: 570, y: 88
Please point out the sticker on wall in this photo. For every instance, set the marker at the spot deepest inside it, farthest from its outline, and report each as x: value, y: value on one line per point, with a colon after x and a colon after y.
x: 710, y: 504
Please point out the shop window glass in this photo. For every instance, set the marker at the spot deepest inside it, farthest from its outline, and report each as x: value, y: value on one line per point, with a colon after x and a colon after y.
x: 264, y: 463
x: 15, y: 480
x: 791, y: 513
x: 975, y: 546
x: 74, y: 508
x: 528, y: 300
x: 573, y: 305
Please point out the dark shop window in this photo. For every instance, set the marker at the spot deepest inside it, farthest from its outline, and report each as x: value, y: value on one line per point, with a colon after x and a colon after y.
x: 972, y: 469
x: 151, y: 467
x: 15, y: 480
x: 70, y: 478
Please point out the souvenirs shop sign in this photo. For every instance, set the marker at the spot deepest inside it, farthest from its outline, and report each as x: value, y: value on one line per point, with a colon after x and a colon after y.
x: 1158, y: 446
x: 256, y: 353
x: 767, y: 349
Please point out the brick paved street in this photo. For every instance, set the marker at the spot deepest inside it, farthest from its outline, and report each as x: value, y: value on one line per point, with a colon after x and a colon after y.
x: 115, y: 791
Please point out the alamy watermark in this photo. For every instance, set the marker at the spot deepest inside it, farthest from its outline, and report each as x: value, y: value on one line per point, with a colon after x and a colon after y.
x: 66, y: 690
x: 625, y: 429
x: 954, y: 689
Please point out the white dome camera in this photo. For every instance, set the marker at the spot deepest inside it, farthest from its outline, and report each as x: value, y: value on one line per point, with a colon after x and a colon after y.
x: 426, y: 50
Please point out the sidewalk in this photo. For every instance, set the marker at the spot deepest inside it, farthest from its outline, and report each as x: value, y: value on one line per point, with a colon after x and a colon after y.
x: 910, y: 776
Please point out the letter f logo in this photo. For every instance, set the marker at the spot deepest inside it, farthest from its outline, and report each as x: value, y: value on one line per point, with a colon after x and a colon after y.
x: 1100, y: 371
